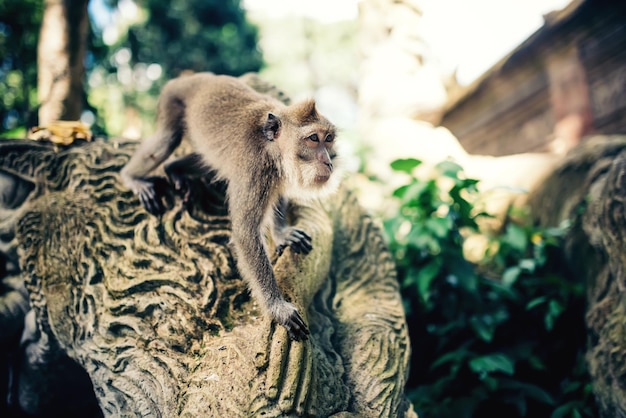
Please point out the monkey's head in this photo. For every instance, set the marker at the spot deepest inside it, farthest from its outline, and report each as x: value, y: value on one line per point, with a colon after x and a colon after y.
x: 306, y: 143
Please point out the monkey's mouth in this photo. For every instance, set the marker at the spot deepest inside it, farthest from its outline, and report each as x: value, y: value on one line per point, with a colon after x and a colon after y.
x: 322, y: 179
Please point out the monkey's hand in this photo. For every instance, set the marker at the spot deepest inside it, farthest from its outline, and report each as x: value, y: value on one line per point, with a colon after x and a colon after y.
x: 151, y: 191
x: 288, y: 316
x: 297, y: 239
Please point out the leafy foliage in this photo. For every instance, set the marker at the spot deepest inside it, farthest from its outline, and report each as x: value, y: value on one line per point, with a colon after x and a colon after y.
x: 171, y: 37
x: 197, y: 35
x: 505, y: 337
x: 20, y: 22
x: 19, y: 25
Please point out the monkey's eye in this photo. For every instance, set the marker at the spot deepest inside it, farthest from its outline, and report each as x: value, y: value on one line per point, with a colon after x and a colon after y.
x: 329, y: 138
x: 314, y: 138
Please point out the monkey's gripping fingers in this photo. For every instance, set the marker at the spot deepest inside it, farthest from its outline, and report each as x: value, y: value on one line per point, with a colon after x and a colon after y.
x: 150, y: 192
x: 294, y: 324
x: 297, y: 239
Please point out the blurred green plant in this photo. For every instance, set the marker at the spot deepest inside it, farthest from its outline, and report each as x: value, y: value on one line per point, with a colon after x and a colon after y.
x: 162, y: 40
x: 20, y: 22
x: 19, y: 26
x: 195, y: 35
x: 125, y: 75
x: 505, y: 337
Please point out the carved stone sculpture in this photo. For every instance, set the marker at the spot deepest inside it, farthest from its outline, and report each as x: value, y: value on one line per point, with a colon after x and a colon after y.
x: 589, y: 187
x: 155, y: 313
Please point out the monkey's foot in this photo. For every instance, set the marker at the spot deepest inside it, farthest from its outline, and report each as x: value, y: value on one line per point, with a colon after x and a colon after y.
x: 182, y: 185
x: 297, y: 239
x: 289, y: 317
x: 150, y: 191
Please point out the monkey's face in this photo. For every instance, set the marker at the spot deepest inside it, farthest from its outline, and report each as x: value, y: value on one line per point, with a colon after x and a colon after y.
x: 311, y: 169
x: 307, y: 143
x: 315, y: 153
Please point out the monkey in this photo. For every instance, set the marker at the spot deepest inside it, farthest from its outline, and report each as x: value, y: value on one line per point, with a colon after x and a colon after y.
x: 268, y: 153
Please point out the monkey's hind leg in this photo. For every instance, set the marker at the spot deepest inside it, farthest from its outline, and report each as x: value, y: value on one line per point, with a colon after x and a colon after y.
x: 288, y: 236
x: 181, y: 170
x: 150, y: 154
x: 154, y: 150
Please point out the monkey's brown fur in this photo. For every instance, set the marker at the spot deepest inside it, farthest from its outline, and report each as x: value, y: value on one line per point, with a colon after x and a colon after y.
x: 266, y: 151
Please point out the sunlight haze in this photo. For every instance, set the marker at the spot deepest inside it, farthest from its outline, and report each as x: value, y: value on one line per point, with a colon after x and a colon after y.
x: 467, y: 35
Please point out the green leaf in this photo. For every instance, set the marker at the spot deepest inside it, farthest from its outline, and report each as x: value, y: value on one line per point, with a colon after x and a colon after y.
x: 558, y: 231
x: 415, y: 190
x: 469, y: 184
x: 410, y: 278
x: 566, y: 410
x: 440, y: 227
x: 390, y: 226
x: 425, y: 276
x: 400, y: 191
x: 483, y: 326
x: 405, y: 165
x: 492, y: 363
x: 571, y: 387
x: 555, y: 308
x: 528, y: 265
x: 451, y: 357
x: 536, y: 302
x: 510, y: 275
x: 449, y: 169
x: 461, y: 205
x: 516, y: 237
x: 529, y: 390
x: 536, y: 363
x: 423, y: 240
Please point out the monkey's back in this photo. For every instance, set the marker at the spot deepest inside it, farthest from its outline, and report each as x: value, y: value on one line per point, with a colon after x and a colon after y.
x: 223, y: 119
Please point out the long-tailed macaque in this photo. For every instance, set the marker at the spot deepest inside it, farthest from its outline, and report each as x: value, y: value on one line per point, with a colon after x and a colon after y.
x: 266, y: 151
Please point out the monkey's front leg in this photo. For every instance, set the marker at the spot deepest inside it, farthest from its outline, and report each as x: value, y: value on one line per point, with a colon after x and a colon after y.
x: 254, y: 265
x: 288, y: 236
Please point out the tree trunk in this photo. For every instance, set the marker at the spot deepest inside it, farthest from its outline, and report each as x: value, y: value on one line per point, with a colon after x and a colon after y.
x: 61, y: 55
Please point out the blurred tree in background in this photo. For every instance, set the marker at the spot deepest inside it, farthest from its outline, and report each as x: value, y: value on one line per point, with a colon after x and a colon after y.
x: 124, y: 72
x: 196, y: 35
x: 19, y: 29
x: 156, y: 40
x: 61, y: 55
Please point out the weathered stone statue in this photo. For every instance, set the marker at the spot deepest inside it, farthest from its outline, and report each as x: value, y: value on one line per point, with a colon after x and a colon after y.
x: 155, y: 313
x: 589, y: 187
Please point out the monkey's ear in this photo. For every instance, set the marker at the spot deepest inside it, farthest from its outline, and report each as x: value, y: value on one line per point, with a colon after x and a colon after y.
x: 271, y: 127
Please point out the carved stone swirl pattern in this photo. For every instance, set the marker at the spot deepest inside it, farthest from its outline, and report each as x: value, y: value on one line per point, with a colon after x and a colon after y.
x: 155, y: 312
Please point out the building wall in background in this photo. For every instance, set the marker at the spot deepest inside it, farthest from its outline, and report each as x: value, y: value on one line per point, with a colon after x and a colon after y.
x: 565, y: 82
